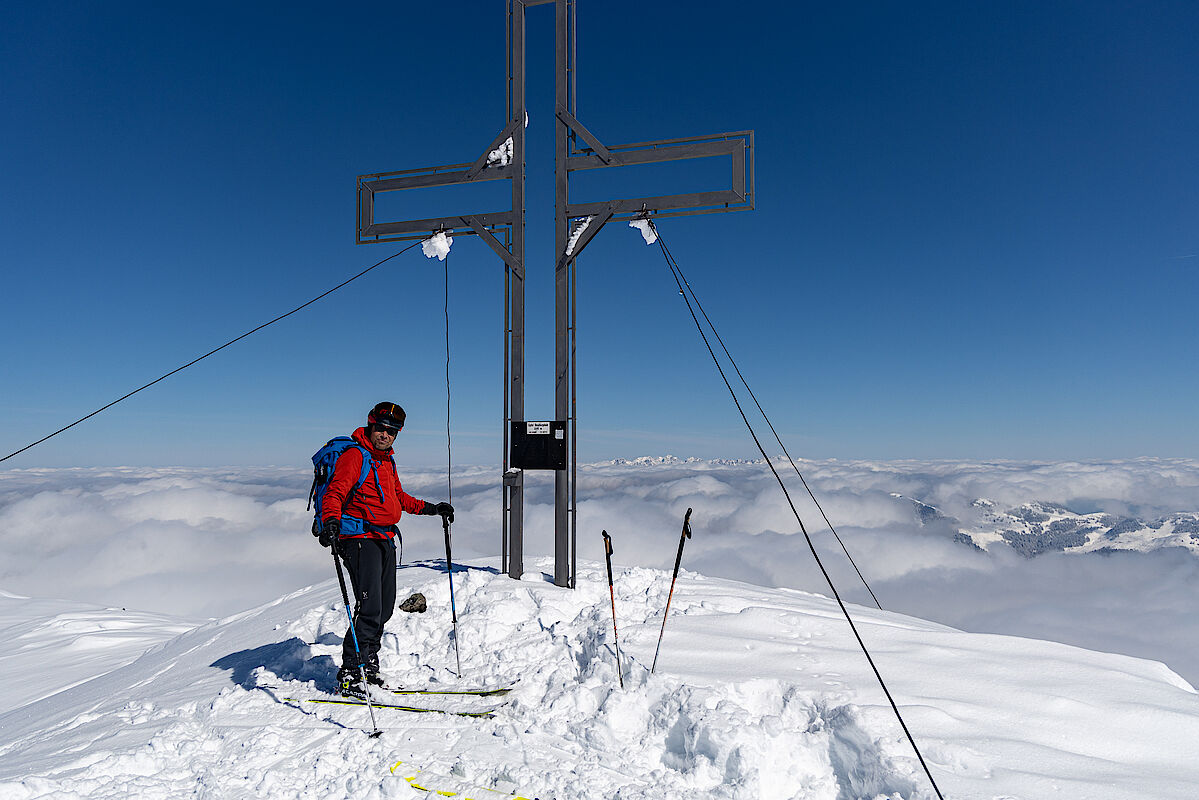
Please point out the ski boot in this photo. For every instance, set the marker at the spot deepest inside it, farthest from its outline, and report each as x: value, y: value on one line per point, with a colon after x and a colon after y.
x: 349, y: 682
x: 371, y: 672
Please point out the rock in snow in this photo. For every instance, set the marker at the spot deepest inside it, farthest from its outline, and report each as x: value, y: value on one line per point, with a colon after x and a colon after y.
x: 759, y: 693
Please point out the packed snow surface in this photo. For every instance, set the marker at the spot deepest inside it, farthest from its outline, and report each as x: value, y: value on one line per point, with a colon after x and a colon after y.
x: 64, y: 643
x: 759, y: 693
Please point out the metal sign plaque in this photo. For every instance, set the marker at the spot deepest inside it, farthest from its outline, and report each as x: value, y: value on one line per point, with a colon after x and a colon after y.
x: 539, y: 445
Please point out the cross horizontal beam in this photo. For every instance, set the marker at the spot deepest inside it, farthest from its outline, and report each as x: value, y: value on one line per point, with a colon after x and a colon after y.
x: 724, y: 144
x: 694, y: 202
x: 423, y: 228
x: 422, y: 181
x: 739, y: 196
x: 370, y: 231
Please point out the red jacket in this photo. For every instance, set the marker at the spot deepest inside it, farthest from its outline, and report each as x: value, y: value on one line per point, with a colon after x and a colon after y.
x: 380, y: 500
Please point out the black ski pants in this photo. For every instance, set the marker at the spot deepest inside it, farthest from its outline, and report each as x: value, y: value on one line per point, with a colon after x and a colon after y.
x: 372, y: 567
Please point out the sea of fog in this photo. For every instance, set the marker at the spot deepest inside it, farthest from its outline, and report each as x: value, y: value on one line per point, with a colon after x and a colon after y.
x: 200, y: 543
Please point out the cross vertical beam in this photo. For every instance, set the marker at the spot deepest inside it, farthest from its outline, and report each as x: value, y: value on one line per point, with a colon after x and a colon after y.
x: 738, y: 147
x: 513, y: 482
x: 563, y: 533
x: 503, y: 159
x: 491, y: 165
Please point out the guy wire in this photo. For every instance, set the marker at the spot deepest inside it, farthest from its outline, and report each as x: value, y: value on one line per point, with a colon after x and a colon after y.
x: 828, y: 579
x: 206, y: 355
x: 769, y: 424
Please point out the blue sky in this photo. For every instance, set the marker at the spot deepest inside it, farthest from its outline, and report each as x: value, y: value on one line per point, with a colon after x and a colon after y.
x: 977, y: 232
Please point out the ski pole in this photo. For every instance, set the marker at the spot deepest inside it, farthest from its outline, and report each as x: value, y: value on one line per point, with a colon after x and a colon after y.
x: 612, y: 594
x: 366, y: 693
x: 677, y: 560
x: 449, y: 566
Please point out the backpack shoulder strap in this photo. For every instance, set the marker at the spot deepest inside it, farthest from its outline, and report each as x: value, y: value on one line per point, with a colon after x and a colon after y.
x: 367, y: 461
x: 366, y: 466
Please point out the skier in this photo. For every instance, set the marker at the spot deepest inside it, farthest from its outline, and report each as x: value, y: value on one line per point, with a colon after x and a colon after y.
x: 359, y: 523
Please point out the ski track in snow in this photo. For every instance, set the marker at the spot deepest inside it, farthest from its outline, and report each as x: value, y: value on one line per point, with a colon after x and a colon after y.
x: 759, y: 693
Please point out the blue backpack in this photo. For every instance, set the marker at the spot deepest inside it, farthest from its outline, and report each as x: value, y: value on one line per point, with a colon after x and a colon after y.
x: 324, y: 461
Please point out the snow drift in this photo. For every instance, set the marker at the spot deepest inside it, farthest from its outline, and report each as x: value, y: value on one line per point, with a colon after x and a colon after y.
x: 760, y: 693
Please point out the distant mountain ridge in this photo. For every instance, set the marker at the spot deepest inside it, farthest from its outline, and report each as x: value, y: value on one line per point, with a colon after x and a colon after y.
x: 1034, y: 528
x: 654, y: 461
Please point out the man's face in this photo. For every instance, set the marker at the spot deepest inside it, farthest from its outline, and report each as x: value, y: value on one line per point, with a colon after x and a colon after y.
x: 382, y: 438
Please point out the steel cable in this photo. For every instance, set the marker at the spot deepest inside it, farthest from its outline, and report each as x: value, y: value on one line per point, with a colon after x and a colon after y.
x: 828, y: 579
x: 206, y: 355
x: 769, y: 424
x: 449, y: 460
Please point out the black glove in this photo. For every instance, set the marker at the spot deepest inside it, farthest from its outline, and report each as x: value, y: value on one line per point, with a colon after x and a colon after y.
x: 444, y: 509
x: 330, y: 532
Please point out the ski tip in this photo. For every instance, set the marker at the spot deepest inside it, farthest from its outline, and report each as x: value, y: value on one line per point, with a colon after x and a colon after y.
x: 375, y: 734
x: 418, y: 779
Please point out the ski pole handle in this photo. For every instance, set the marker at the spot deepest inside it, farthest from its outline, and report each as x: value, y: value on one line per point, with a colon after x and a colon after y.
x: 608, y: 555
x: 678, y: 559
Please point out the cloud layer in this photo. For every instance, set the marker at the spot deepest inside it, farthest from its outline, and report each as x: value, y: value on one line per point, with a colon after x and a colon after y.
x: 212, y: 542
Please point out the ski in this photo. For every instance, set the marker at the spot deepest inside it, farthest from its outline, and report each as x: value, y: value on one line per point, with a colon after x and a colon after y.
x: 354, y: 701
x: 445, y: 786
x: 455, y: 692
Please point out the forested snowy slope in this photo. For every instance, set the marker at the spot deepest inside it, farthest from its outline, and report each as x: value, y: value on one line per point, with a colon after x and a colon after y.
x: 759, y: 693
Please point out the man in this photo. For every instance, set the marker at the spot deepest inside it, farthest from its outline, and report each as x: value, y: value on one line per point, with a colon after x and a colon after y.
x: 359, y: 523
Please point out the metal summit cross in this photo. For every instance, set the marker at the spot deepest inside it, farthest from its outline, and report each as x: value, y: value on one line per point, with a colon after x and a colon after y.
x: 576, y: 148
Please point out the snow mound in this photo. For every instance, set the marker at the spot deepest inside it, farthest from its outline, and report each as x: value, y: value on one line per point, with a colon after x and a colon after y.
x: 759, y: 693
x: 65, y: 643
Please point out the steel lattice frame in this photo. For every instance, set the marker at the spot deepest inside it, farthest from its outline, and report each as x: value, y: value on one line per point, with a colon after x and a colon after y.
x: 576, y: 148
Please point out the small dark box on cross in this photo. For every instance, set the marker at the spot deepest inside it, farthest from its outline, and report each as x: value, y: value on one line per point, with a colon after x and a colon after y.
x: 539, y: 445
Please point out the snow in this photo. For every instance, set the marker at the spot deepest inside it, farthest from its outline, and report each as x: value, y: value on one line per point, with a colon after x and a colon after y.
x: 575, y: 234
x: 65, y: 643
x: 647, y: 230
x: 437, y: 246
x: 759, y: 693
x: 502, y: 155
x: 1049, y: 526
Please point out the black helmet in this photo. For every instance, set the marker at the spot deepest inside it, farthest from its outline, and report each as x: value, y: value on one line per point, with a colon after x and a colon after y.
x: 386, y: 415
